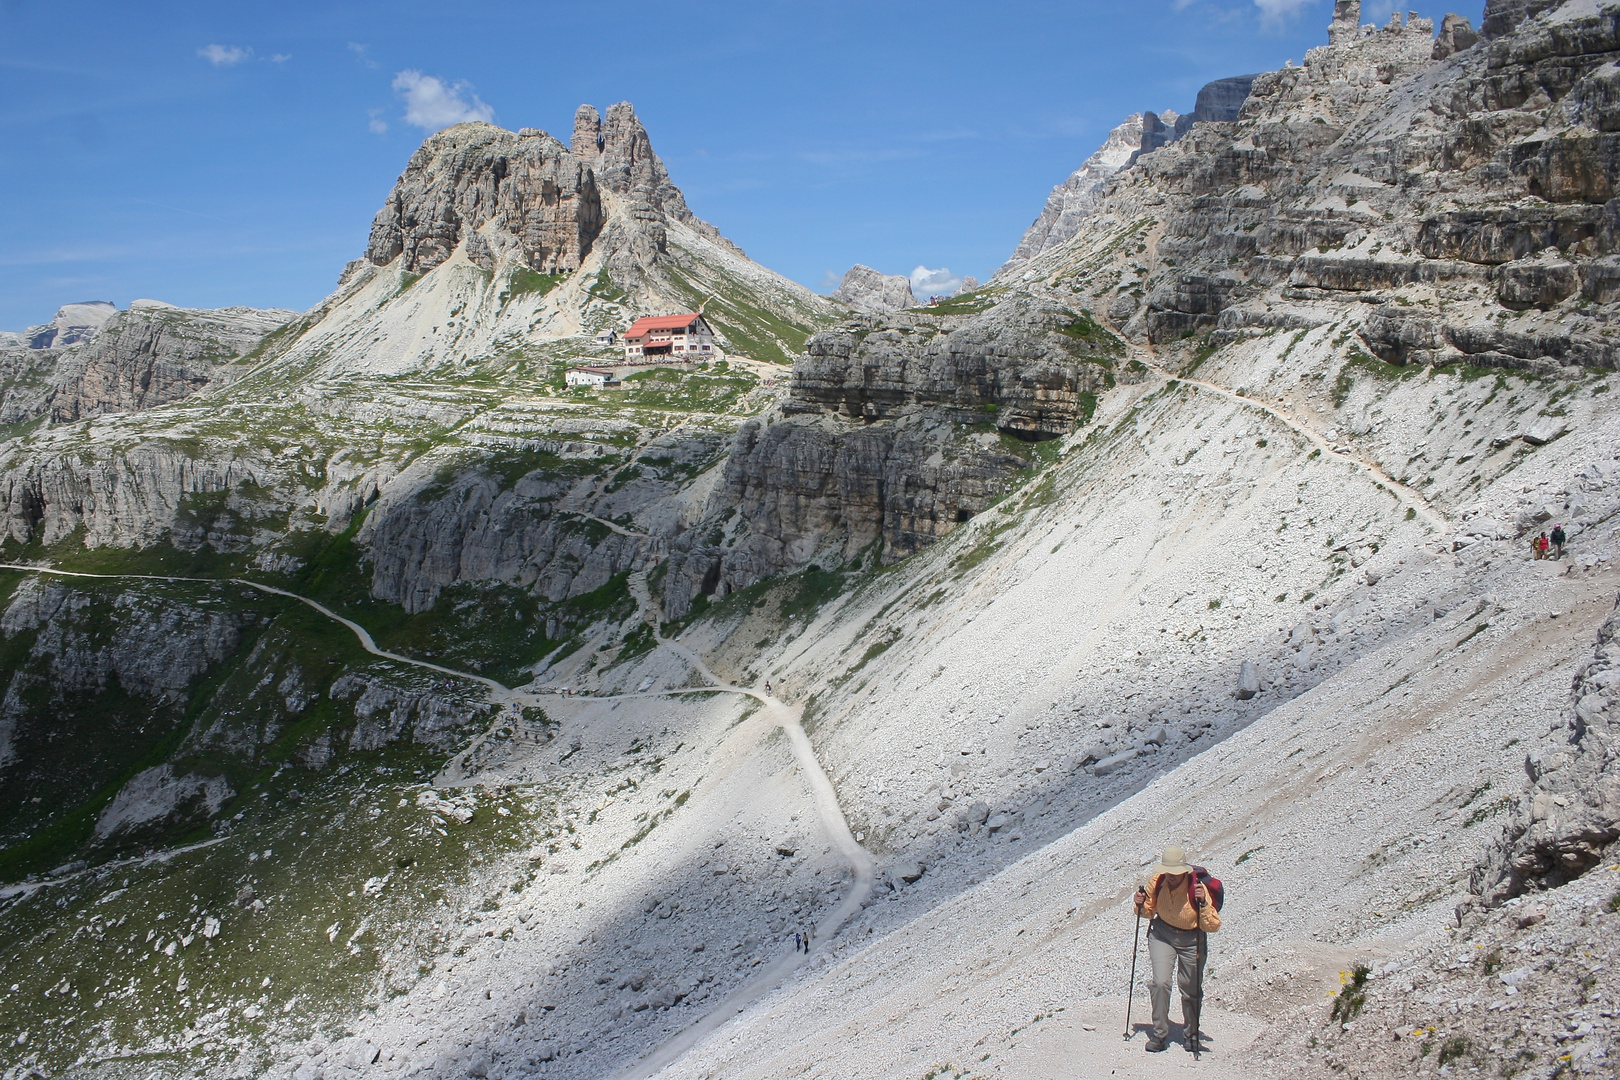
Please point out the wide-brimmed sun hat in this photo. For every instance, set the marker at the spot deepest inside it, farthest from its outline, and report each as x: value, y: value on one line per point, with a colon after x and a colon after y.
x: 1174, y: 861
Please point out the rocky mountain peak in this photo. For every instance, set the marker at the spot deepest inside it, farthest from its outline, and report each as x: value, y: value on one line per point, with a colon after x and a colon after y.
x: 1071, y: 201
x: 74, y: 323
x: 500, y: 192
x: 618, y: 148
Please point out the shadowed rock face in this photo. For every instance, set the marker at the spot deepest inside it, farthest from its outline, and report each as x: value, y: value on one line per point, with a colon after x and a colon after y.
x: 1027, y: 363
x: 522, y: 193
x: 808, y: 484
x: 1218, y: 102
x: 1571, y: 810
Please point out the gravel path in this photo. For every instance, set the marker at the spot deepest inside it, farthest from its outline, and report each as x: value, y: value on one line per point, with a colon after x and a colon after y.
x: 825, y: 796
x: 784, y: 716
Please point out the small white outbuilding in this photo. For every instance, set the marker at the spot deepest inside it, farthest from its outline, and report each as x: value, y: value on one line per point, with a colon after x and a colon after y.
x: 590, y: 376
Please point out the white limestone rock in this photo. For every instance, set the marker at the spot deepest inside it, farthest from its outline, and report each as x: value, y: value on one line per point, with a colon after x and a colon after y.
x: 874, y: 292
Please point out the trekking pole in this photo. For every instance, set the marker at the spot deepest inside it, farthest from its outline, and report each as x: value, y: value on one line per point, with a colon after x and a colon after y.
x: 1132, y: 993
x: 1203, y: 951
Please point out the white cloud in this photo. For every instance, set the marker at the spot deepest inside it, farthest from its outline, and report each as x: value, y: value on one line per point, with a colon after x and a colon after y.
x: 361, y: 54
x: 225, y: 55
x: 431, y: 104
x: 926, y: 282
x: 1277, y: 10
x: 281, y: 58
x: 377, y: 124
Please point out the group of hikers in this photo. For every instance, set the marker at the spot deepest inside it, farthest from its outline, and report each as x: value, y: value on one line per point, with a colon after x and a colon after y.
x: 1550, y: 547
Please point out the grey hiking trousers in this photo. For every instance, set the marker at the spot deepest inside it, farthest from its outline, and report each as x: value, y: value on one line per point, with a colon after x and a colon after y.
x: 1169, y: 949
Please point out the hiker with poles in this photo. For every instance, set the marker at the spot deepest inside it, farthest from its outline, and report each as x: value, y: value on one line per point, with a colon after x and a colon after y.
x: 1183, y: 904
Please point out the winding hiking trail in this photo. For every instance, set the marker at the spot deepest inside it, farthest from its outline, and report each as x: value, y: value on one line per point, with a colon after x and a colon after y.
x: 785, y: 716
x: 1407, y: 496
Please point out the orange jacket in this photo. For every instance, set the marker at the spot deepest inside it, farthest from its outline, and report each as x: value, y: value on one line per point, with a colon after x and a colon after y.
x: 1173, y: 907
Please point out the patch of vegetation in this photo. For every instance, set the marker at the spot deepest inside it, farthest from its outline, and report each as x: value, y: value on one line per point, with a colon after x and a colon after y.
x: 665, y: 388
x: 1352, y: 995
x: 1087, y: 330
x: 1484, y: 813
x: 750, y: 328
x: 603, y: 288
x: 1452, y: 1049
x: 345, y: 874
x: 525, y: 280
x: 965, y: 303
x: 811, y: 588
x: 1359, y: 360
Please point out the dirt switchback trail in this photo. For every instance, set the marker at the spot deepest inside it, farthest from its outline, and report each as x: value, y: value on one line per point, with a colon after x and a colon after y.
x: 785, y: 716
x: 825, y: 796
x: 1406, y: 495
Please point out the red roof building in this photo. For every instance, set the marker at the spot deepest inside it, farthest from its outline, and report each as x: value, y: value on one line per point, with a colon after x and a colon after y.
x: 668, y: 337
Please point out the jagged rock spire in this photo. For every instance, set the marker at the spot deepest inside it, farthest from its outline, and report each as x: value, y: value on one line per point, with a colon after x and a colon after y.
x: 1346, y: 25
x: 618, y: 148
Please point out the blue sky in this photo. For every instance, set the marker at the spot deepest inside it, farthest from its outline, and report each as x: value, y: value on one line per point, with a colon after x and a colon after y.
x: 209, y: 154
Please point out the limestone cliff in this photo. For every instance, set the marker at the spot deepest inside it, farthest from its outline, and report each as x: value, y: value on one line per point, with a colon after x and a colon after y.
x: 93, y: 359
x: 523, y: 193
x: 895, y: 431
x: 1074, y: 199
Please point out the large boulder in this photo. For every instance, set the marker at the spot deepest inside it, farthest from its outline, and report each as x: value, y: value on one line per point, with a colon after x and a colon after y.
x: 873, y: 292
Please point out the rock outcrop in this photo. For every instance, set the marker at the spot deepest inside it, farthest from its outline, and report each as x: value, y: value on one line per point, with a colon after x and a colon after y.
x: 156, y: 798
x: 93, y: 359
x: 1218, y: 102
x: 1293, y: 201
x: 1072, y: 201
x: 73, y: 323
x: 522, y: 193
x: 1569, y: 815
x: 1456, y: 34
x: 943, y: 410
x: 873, y: 292
x: 618, y: 149
x: 156, y: 353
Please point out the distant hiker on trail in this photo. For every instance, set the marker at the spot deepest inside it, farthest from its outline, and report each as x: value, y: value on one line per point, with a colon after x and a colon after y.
x: 1182, y: 912
x: 1559, y: 539
x: 1539, y: 545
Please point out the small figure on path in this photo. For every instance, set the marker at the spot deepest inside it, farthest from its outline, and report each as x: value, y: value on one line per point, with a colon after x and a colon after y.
x: 1182, y: 912
x: 798, y: 941
x: 1559, y: 539
x: 767, y: 686
x: 1539, y: 546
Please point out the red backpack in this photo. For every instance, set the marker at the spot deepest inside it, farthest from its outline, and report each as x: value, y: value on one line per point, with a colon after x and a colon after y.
x: 1217, y: 891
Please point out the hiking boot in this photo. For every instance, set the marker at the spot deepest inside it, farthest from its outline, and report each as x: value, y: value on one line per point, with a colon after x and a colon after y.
x: 1157, y: 1045
x: 1193, y: 1042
